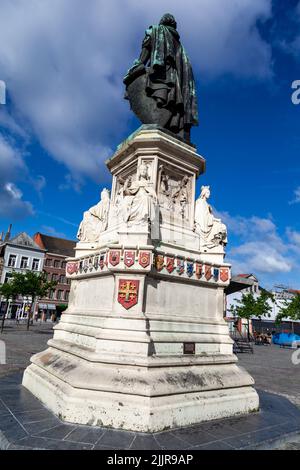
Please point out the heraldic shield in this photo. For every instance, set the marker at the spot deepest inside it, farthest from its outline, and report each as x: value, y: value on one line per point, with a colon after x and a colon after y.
x: 129, y: 258
x: 224, y: 274
x: 128, y: 293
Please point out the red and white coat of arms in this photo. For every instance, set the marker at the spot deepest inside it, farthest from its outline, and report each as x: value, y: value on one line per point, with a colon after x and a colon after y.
x: 144, y: 258
x: 128, y: 293
x: 170, y: 264
x: 72, y: 268
x: 114, y: 257
x: 208, y: 272
x: 198, y: 270
x: 224, y: 274
x: 129, y: 258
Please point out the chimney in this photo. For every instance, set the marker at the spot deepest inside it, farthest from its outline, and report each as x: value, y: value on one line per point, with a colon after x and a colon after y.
x: 7, y: 236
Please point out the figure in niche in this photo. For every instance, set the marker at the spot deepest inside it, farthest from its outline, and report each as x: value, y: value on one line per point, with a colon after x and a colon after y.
x: 119, y: 201
x: 211, y: 230
x: 181, y: 195
x: 95, y: 220
x: 165, y: 189
x: 140, y: 199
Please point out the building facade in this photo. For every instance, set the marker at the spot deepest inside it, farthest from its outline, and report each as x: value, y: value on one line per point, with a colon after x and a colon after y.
x: 281, y: 294
x: 19, y: 254
x: 57, y: 251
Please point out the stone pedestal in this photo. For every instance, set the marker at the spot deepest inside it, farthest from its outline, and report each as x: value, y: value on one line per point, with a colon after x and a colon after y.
x: 143, y: 345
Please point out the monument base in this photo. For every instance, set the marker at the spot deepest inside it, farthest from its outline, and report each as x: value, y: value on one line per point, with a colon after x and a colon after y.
x: 143, y: 345
x: 77, y: 403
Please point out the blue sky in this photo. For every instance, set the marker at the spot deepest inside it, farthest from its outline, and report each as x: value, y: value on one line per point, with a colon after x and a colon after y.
x: 63, y: 63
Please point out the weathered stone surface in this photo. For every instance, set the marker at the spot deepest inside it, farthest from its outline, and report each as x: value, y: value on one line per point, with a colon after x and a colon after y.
x: 140, y: 293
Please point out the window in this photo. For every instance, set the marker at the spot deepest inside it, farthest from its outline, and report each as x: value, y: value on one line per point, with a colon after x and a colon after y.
x: 57, y: 264
x: 63, y: 264
x: 7, y: 277
x: 62, y: 279
x: 12, y: 261
x: 67, y: 295
x: 54, y: 277
x: 24, y: 262
x: 51, y: 294
x: 35, y: 264
x: 48, y: 262
x: 59, y: 295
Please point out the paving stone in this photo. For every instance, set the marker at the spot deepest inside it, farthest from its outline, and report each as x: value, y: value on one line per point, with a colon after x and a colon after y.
x: 35, y: 415
x: 195, y: 435
x: 169, y: 441
x: 11, y: 428
x: 116, y: 439
x: 85, y: 435
x: 39, y: 427
x: 218, y: 445
x: 145, y: 442
x: 52, y: 444
x: 58, y: 432
x: 253, y: 439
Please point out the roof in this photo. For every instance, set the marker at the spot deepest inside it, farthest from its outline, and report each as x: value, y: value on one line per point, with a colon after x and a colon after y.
x: 59, y: 246
x: 238, y: 283
x: 248, y: 276
x: 25, y: 241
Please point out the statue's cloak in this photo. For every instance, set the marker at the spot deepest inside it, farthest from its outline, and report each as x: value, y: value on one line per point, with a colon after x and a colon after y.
x: 170, y: 79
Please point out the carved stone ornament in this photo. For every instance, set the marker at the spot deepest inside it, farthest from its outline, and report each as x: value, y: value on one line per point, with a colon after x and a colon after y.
x: 137, y: 199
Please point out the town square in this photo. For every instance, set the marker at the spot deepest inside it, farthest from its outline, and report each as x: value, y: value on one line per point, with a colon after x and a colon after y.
x: 149, y: 236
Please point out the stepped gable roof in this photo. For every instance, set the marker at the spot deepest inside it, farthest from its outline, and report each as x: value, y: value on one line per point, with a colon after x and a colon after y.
x: 55, y: 245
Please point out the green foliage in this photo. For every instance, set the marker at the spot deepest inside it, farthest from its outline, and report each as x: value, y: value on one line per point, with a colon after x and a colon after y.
x: 290, y: 309
x: 61, y: 308
x: 8, y: 291
x: 249, y: 306
x: 30, y: 284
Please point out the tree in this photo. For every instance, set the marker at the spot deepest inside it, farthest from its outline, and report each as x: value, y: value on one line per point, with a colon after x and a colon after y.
x: 290, y: 309
x: 8, y: 291
x: 249, y: 306
x: 32, y: 285
x: 60, y: 309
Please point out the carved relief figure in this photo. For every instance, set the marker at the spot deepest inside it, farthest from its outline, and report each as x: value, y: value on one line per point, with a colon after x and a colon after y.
x: 181, y: 195
x: 174, y: 193
x: 211, y: 230
x: 95, y: 220
x: 165, y: 189
x: 139, y: 198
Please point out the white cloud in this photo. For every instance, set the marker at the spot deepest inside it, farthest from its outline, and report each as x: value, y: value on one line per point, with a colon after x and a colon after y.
x: 52, y: 231
x: 260, y: 249
x: 14, y: 192
x: 296, y: 196
x: 63, y: 62
x: 11, y: 163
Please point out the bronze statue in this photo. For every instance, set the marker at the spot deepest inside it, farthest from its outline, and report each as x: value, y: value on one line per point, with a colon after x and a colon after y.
x: 160, y: 86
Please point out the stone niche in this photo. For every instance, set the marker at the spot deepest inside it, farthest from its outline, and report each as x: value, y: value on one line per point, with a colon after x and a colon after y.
x: 143, y: 345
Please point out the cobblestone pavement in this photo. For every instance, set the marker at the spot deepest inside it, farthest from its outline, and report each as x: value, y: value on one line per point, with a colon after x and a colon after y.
x: 273, y: 370
x: 22, y: 344
x: 271, y: 367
